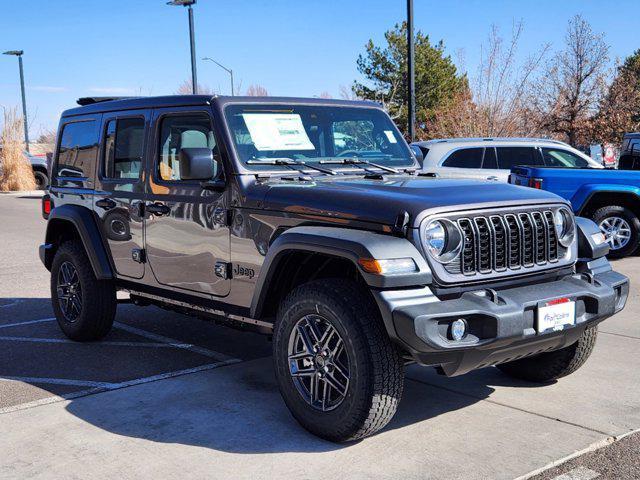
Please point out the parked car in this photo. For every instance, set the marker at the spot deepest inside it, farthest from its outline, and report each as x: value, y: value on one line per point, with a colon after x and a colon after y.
x: 630, y: 152
x: 493, y: 158
x: 251, y: 212
x: 39, y: 165
x: 40, y: 169
x: 611, y: 198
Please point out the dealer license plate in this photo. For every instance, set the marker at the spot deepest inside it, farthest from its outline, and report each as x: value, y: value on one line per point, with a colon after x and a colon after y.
x: 556, y: 315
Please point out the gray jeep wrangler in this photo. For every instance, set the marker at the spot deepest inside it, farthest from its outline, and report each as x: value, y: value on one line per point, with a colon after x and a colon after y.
x: 308, y: 220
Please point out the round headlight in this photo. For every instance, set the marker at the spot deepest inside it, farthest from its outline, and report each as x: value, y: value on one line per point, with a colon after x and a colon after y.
x: 442, y: 240
x: 435, y: 238
x: 564, y: 226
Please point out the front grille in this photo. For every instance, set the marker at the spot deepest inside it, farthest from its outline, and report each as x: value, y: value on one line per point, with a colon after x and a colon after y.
x: 509, y: 241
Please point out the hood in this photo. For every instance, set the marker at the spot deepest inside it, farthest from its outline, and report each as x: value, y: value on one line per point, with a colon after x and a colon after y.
x: 357, y: 198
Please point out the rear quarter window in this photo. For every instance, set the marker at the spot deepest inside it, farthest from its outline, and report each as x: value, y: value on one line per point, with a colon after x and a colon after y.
x: 465, y: 158
x: 509, y: 157
x: 78, y: 150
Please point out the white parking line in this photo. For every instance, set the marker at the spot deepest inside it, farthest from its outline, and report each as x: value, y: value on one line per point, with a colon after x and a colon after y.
x: 101, y: 387
x: 28, y: 322
x: 172, y: 341
x: 105, y: 343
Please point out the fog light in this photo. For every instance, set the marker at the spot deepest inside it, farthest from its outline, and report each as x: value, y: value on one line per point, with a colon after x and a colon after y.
x: 459, y: 329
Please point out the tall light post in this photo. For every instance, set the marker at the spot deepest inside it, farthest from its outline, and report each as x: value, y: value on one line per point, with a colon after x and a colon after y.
x: 411, y: 84
x: 18, y: 53
x: 228, y: 70
x: 188, y: 4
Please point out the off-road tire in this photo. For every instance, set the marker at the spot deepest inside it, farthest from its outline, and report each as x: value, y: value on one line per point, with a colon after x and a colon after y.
x: 633, y: 221
x: 376, y: 365
x: 550, y: 366
x: 98, y: 307
x: 42, y: 180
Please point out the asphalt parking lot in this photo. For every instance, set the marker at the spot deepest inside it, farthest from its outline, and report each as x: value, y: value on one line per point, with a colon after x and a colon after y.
x: 170, y: 396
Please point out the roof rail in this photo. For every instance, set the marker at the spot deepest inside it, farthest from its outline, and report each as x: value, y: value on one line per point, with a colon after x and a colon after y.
x: 495, y: 139
x: 91, y: 100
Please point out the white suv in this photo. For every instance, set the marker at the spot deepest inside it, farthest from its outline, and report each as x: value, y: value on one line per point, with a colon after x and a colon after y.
x: 492, y: 158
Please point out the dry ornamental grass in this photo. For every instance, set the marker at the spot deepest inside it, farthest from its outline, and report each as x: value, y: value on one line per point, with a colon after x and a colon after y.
x: 15, y: 169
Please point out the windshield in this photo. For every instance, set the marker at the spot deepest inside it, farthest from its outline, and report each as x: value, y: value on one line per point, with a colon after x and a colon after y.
x: 314, y: 133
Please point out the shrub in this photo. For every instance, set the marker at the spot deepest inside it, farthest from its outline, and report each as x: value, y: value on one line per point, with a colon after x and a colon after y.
x: 15, y: 169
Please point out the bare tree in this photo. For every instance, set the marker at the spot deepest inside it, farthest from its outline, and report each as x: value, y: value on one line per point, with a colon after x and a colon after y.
x: 186, y: 88
x: 574, y: 81
x: 256, y: 90
x: 325, y: 94
x: 496, y: 103
x: 347, y: 93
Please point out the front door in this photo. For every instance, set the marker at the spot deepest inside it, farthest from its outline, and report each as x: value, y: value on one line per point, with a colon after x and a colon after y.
x: 120, y: 188
x: 186, y: 232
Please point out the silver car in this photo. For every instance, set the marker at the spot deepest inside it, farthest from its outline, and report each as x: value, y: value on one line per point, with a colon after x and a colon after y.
x: 492, y: 158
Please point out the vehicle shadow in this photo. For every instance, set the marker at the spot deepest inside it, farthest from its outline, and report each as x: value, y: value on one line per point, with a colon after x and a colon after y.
x: 235, y: 408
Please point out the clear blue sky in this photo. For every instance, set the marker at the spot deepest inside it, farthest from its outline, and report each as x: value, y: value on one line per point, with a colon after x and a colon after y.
x: 76, y: 48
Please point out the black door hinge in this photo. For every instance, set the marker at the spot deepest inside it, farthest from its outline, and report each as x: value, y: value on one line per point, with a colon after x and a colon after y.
x: 139, y: 255
x: 401, y: 224
x: 222, y: 216
x: 222, y: 270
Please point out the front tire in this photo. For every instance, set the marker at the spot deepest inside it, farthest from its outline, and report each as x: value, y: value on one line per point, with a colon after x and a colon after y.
x: 337, y: 370
x: 621, y: 229
x: 550, y: 366
x: 83, y: 305
x: 42, y: 180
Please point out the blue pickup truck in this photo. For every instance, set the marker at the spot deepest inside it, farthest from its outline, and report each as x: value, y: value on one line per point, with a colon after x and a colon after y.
x: 611, y: 198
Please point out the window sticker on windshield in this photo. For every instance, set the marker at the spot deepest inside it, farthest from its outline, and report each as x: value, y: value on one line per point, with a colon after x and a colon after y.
x: 390, y: 136
x: 277, y: 131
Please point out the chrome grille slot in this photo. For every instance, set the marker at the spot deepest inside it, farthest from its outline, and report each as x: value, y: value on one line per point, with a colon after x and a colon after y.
x: 552, y: 236
x: 485, y: 259
x: 468, y: 262
x: 515, y: 235
x: 528, y: 240
x: 499, y: 243
x: 541, y: 237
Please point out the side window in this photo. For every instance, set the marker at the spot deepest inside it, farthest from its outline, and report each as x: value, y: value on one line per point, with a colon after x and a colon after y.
x: 78, y: 150
x: 123, y: 148
x: 490, y: 161
x: 465, y: 158
x: 555, y: 157
x: 509, y: 157
x: 178, y: 132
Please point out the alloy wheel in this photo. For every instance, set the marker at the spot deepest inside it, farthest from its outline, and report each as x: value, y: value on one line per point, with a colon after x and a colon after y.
x: 69, y: 292
x: 318, y: 362
x: 617, y: 232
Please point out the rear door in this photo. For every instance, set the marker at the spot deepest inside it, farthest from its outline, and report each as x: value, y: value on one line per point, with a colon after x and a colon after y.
x: 186, y: 232
x: 120, y: 188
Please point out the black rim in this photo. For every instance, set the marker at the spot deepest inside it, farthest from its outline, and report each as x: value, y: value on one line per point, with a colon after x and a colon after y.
x: 318, y: 363
x: 69, y: 292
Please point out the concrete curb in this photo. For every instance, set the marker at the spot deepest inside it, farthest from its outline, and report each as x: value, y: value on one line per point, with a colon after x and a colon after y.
x: 24, y: 192
x: 591, y: 448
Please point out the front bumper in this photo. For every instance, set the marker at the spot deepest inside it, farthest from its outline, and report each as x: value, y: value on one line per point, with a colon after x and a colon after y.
x: 501, y: 324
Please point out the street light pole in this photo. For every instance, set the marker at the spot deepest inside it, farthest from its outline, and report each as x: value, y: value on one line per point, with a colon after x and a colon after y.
x: 411, y: 87
x: 228, y: 70
x: 192, y: 41
x: 18, y: 53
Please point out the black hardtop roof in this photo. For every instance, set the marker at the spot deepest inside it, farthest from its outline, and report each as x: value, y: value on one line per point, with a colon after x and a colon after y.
x: 136, y: 103
x: 632, y: 135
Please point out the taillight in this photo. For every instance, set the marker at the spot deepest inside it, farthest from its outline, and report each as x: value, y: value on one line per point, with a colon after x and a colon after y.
x: 535, y: 183
x: 47, y: 205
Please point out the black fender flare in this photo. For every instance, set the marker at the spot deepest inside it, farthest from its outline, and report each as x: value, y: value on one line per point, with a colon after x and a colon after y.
x: 82, y: 219
x: 345, y: 243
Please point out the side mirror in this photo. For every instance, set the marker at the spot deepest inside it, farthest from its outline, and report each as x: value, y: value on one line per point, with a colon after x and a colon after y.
x: 197, y: 164
x: 417, y: 152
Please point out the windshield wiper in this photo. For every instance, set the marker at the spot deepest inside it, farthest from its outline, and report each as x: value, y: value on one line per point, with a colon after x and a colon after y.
x: 291, y: 163
x: 359, y: 162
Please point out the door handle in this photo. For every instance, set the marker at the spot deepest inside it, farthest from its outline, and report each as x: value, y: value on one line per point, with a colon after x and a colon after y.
x: 158, y: 209
x: 493, y: 177
x: 106, y: 203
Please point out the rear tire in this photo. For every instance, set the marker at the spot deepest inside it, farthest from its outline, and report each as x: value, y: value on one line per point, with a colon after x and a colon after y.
x: 549, y: 366
x: 83, y: 305
x: 42, y: 181
x: 368, y: 398
x: 625, y: 219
